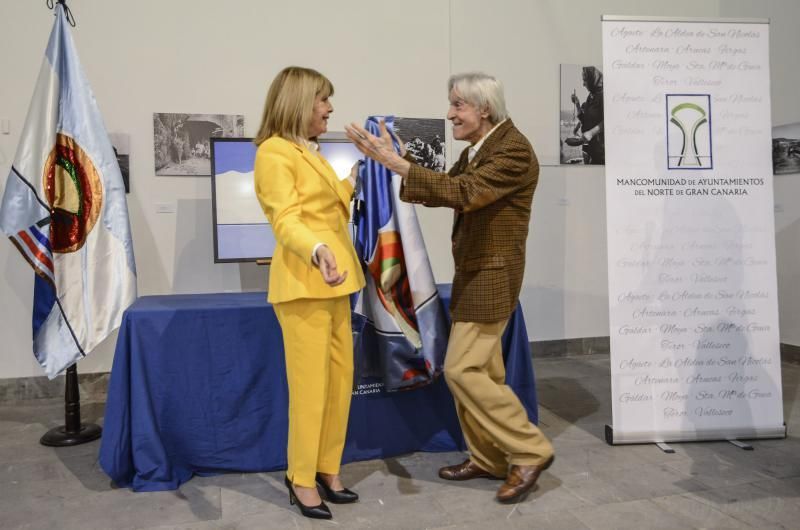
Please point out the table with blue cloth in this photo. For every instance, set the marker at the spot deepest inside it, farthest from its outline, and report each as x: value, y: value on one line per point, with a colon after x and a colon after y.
x: 198, y: 386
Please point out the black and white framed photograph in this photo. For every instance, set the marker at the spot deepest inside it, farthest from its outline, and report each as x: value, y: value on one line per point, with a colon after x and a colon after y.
x: 786, y: 149
x: 121, y: 142
x: 581, y: 136
x: 424, y: 138
x: 182, y: 141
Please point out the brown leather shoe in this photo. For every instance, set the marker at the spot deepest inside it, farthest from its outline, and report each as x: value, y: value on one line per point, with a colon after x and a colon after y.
x: 520, y: 481
x: 464, y: 471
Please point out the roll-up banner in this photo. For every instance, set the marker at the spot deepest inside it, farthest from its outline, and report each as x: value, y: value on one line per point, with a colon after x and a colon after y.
x: 691, y: 240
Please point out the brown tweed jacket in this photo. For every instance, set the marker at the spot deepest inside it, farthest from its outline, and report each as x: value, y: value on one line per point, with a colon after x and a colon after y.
x: 492, y: 198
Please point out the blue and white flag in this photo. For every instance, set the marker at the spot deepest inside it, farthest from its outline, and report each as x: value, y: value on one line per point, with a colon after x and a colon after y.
x: 64, y: 209
x: 406, y: 322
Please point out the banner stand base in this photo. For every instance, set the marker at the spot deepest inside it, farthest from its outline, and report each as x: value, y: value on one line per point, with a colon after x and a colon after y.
x: 741, y: 445
x: 661, y: 438
x: 666, y: 448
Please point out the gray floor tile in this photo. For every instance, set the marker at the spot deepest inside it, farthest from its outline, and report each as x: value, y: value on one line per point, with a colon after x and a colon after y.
x: 550, y: 520
x: 699, y: 514
x: 395, y: 512
x: 718, y: 472
x: 752, y: 505
x: 593, y: 489
x: 632, y: 515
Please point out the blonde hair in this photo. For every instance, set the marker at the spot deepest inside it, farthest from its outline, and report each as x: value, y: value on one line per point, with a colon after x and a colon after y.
x: 290, y: 103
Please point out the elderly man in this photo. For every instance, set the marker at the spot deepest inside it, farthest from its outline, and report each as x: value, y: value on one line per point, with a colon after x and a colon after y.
x: 491, y: 189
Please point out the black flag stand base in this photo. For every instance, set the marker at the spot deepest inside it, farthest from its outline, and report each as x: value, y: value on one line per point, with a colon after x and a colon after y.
x: 73, y: 432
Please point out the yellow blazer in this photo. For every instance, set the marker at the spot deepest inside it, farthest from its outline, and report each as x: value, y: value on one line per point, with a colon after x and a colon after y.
x: 306, y: 204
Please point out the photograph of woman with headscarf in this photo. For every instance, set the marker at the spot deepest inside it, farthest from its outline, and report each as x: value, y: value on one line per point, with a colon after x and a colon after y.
x: 582, y: 138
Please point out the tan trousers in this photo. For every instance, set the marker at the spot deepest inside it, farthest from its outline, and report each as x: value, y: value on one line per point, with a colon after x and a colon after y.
x: 318, y: 341
x: 495, y: 424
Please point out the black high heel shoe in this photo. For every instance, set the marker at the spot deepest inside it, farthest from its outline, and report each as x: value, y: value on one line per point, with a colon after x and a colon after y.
x: 344, y: 496
x: 321, y: 511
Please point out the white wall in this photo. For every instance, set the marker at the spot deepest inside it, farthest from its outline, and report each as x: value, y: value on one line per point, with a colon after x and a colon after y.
x: 203, y: 56
x: 784, y: 16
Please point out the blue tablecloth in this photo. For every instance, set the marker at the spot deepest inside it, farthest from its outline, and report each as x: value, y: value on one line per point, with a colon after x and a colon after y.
x: 198, y: 386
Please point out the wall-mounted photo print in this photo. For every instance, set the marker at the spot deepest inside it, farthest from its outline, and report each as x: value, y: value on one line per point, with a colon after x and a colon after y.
x: 121, y: 142
x: 182, y: 141
x: 786, y: 149
x: 424, y: 138
x: 581, y: 137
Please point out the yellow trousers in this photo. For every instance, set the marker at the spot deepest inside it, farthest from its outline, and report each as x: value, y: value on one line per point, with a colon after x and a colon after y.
x: 318, y: 342
x: 495, y: 424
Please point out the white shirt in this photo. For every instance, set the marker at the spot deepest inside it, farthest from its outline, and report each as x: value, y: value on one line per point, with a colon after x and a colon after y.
x: 473, y: 149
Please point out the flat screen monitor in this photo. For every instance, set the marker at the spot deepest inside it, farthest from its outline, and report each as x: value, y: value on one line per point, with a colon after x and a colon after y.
x: 241, y: 230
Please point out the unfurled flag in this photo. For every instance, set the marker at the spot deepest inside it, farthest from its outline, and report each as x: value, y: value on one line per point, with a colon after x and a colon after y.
x: 405, y: 317
x: 64, y: 209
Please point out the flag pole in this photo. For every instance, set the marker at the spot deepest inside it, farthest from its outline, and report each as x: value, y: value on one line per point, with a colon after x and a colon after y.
x: 73, y: 432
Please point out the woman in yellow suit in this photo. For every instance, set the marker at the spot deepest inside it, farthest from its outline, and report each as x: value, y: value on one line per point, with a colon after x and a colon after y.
x: 314, y: 269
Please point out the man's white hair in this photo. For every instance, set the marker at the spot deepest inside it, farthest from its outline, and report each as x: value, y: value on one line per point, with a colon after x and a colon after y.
x: 481, y: 90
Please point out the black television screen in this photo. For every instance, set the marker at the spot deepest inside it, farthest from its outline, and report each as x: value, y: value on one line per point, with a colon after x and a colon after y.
x: 241, y: 230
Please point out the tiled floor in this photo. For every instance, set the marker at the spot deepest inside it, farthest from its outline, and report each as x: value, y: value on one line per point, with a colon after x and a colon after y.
x: 591, y: 485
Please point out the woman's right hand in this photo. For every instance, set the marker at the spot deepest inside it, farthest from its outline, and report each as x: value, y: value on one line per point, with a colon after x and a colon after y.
x: 327, y: 267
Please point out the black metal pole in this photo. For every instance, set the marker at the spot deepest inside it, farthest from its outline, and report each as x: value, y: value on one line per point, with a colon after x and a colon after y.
x: 73, y: 432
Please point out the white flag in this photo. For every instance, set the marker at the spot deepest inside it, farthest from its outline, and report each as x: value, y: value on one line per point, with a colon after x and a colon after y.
x: 64, y: 208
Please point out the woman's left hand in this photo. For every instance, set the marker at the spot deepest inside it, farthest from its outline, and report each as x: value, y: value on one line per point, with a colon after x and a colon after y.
x: 327, y: 267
